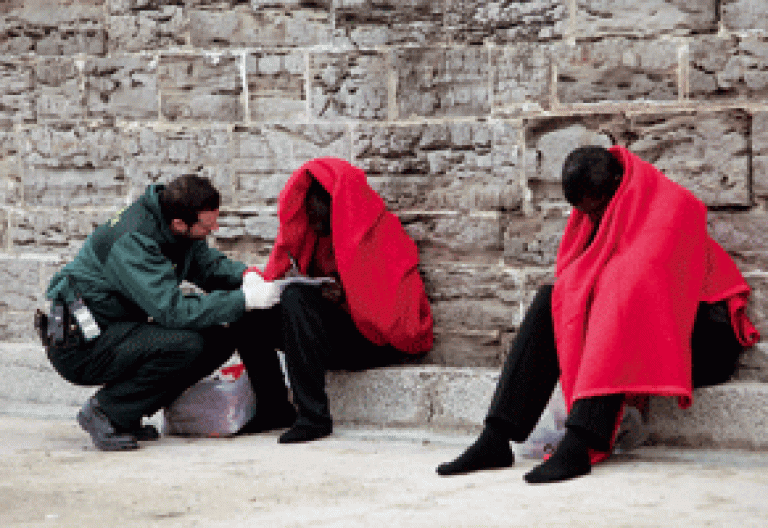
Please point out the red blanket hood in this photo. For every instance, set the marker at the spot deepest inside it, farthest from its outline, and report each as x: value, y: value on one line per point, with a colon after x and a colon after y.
x: 376, y: 259
x: 624, y: 308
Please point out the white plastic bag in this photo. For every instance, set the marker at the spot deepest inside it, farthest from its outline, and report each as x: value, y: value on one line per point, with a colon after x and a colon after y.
x: 549, y: 431
x: 214, y: 406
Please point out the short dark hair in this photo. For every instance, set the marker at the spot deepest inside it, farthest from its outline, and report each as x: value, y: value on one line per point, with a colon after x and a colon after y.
x: 186, y: 196
x: 590, y: 171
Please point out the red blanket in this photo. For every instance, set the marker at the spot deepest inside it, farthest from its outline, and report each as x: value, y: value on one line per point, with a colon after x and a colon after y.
x: 376, y: 259
x: 624, y: 308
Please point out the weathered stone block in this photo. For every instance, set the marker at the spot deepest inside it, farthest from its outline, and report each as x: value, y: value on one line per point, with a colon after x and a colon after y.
x: 757, y: 309
x: 65, y: 145
x: 549, y: 140
x: 743, y: 235
x: 53, y: 230
x: 706, y: 152
x: 506, y: 21
x: 370, y: 23
x: 20, y: 289
x: 466, y: 349
x: 72, y: 166
x: 351, y: 85
x: 436, y: 82
x: 121, y: 87
x: 253, y: 223
x: 452, y: 236
x: 257, y: 26
x: 276, y: 85
x: 201, y: 87
x: 445, y: 165
x: 741, y: 15
x: 598, y: 18
x: 59, y: 96
x: 265, y: 157
x: 183, y: 145
x: 617, y: 70
x: 760, y: 154
x: 145, y: 26
x: 17, y: 94
x: 55, y: 27
x: 522, y: 77
x: 533, y: 241
x: 5, y: 229
x: 462, y: 397
x: 753, y: 364
x: 10, y: 170
x: 725, y: 68
x: 17, y: 327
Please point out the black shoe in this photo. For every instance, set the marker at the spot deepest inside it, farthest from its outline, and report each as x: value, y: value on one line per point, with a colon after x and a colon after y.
x: 104, y: 434
x: 143, y: 433
x: 305, y: 433
x: 270, y: 420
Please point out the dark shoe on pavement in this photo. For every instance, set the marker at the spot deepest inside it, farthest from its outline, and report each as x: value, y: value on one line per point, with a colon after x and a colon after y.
x: 270, y: 420
x: 144, y: 433
x: 104, y: 434
x: 305, y: 433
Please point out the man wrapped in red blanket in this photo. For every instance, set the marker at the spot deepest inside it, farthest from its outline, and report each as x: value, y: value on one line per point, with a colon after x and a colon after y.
x: 372, y: 310
x: 644, y: 302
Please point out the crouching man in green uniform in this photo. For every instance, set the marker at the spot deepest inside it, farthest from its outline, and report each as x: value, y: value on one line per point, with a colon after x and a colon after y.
x: 119, y: 318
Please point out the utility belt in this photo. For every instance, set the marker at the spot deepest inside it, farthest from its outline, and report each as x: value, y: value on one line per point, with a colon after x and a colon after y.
x: 67, y: 325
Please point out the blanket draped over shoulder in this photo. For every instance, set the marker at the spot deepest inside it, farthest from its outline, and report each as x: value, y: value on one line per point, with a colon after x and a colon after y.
x: 376, y: 259
x: 624, y: 307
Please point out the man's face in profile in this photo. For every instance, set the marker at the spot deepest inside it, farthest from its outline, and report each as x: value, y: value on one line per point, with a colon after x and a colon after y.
x: 207, y: 223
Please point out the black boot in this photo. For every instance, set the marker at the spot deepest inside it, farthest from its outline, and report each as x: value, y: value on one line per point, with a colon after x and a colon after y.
x: 490, y: 451
x: 305, y: 433
x: 268, y: 420
x: 103, y: 432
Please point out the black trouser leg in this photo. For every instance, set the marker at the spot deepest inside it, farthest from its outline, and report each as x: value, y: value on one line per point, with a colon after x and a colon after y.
x: 318, y: 336
x: 530, y: 372
x: 307, y: 347
x: 151, y: 367
x: 595, y: 419
x: 257, y: 336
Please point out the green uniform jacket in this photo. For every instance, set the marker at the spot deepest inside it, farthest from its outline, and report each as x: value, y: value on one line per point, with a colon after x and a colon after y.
x: 131, y: 267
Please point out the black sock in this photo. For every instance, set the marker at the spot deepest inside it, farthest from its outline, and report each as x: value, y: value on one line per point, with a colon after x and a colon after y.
x: 570, y: 460
x: 491, y: 450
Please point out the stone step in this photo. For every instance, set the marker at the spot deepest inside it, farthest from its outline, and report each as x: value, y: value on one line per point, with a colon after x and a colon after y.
x: 442, y: 398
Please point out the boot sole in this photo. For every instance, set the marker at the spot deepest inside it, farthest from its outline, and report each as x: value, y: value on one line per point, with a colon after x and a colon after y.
x: 125, y: 443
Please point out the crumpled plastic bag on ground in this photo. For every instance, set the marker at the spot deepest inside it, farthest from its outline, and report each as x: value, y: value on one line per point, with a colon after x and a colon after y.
x: 632, y: 432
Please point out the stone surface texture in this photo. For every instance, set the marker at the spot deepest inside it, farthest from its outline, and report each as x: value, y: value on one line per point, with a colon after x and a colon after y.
x: 460, y: 112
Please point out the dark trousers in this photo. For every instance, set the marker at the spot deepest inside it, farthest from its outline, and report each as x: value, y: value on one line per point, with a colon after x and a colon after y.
x: 531, y: 371
x: 316, y: 336
x: 143, y: 367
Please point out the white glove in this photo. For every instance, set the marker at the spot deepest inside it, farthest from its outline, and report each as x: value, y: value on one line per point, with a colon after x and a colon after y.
x: 259, y: 293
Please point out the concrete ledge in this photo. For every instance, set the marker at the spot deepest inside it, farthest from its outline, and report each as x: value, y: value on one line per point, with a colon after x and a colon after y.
x: 439, y: 398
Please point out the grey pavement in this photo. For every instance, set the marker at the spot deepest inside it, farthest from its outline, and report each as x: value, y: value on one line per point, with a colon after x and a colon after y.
x: 358, y: 477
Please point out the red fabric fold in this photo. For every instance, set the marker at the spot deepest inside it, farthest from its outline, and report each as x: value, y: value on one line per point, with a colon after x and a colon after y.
x: 624, y: 307
x: 376, y: 259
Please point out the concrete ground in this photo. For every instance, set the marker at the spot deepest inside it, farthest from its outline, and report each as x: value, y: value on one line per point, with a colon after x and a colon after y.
x: 51, y: 476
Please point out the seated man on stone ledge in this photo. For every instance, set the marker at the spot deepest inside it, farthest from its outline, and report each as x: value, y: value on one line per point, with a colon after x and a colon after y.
x: 644, y: 302
x: 372, y: 311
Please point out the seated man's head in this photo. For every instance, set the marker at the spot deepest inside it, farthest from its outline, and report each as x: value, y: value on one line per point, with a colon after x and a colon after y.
x: 318, y: 204
x: 591, y: 176
x: 190, y: 206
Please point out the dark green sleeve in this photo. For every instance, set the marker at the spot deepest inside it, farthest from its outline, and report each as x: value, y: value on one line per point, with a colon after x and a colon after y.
x: 210, y: 269
x: 145, y: 276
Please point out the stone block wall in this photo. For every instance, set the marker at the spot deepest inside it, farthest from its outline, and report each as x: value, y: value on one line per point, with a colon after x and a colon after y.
x: 460, y: 111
